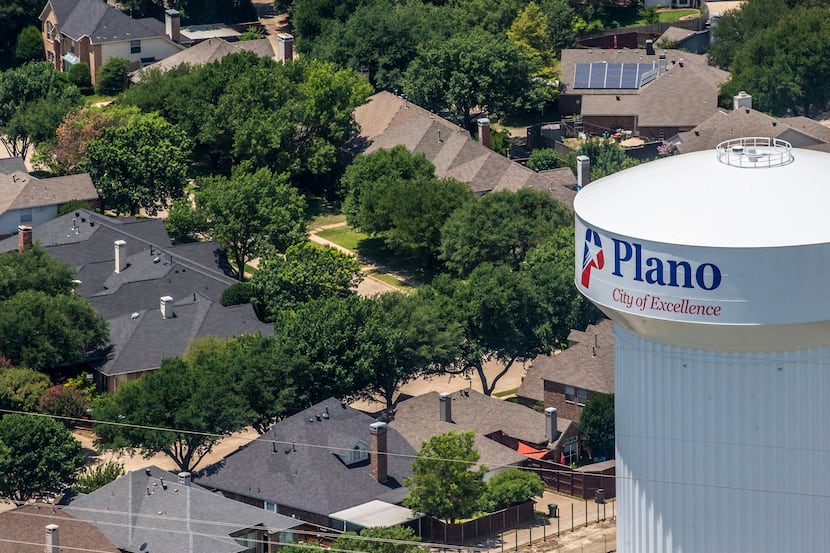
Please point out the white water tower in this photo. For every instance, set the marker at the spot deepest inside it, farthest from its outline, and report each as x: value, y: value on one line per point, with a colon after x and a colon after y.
x: 715, y: 267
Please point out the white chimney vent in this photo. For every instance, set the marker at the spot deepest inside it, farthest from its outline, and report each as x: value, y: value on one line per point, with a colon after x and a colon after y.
x: 166, y: 307
x: 742, y: 100
x: 184, y: 479
x: 52, y: 539
x: 120, y: 255
x: 551, y: 433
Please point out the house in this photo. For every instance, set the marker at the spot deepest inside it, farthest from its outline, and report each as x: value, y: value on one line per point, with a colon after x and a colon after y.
x: 208, y: 51
x: 152, y: 510
x: 92, y: 31
x: 800, y: 132
x: 326, y: 465
x: 37, y: 527
x: 27, y: 200
x: 568, y: 380
x: 387, y: 120
x: 506, y: 433
x: 132, y: 275
x: 649, y: 94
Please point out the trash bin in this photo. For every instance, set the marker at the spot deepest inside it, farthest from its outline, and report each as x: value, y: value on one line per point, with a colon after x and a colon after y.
x: 553, y: 510
x: 600, y: 496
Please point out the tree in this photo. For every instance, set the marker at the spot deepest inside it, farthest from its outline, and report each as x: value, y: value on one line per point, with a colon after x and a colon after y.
x: 112, y: 77
x: 21, y: 389
x: 45, y: 332
x: 38, y: 457
x: 378, y: 168
x: 29, y: 45
x: 596, y: 426
x: 530, y: 31
x: 561, y: 15
x: 513, y: 486
x: 80, y: 76
x: 251, y: 33
x: 607, y: 157
x: 395, y: 535
x: 544, y: 159
x: 307, y: 272
x: 736, y: 27
x: 65, y: 401
x: 141, y: 165
x: 97, y: 476
x: 34, y: 269
x: 15, y: 15
x: 472, y: 70
x: 500, y: 227
x: 443, y: 483
x: 195, y: 399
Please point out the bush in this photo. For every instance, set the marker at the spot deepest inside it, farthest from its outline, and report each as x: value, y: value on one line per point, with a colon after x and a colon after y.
x: 543, y: 159
x: 238, y: 294
x: 21, y: 389
x: 112, y: 77
x: 98, y: 476
x: 513, y: 486
x: 73, y: 205
x: 29, y: 45
x: 79, y: 75
x: 65, y: 401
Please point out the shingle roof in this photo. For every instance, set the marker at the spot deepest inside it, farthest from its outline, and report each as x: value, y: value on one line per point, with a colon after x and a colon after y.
x: 674, y: 34
x: 100, y: 22
x: 27, y: 524
x: 142, y: 341
x: 208, y: 51
x: 387, y: 121
x: 9, y: 165
x: 418, y: 419
x: 801, y: 132
x: 20, y: 190
x: 312, y: 478
x: 588, y: 363
x: 154, y: 512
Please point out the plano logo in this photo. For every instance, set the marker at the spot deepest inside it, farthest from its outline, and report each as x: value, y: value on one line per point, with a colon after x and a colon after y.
x: 592, y: 258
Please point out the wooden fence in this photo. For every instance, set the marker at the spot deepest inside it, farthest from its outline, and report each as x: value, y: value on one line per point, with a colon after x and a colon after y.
x: 437, y: 531
x: 563, y: 479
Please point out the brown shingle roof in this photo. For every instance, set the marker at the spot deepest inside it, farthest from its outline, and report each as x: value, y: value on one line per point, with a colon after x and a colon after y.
x: 20, y: 190
x: 588, y: 363
x: 387, y: 121
x: 28, y: 524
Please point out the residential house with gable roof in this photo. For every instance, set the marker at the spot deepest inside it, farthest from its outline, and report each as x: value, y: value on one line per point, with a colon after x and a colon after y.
x: 652, y: 94
x: 506, y: 433
x: 37, y: 527
x: 568, y: 379
x: 329, y: 465
x: 28, y: 200
x: 152, y: 510
x: 157, y: 297
x: 92, y: 31
x: 387, y: 120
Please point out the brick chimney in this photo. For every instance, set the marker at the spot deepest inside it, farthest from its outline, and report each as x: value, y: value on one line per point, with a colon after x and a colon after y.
x: 184, y: 479
x: 166, y: 307
x: 285, y: 47
x: 172, y: 22
x: 52, y: 541
x: 24, y: 237
x: 120, y: 255
x: 550, y: 425
x: 445, y: 407
x: 377, y: 435
x: 583, y: 171
x: 484, y: 131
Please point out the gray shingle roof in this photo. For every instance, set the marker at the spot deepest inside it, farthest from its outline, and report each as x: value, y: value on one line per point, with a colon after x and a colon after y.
x: 387, y: 121
x: 418, y: 419
x: 309, y: 478
x: 20, y: 190
x: 100, y: 22
x: 9, y: 165
x: 208, y: 51
x: 142, y: 512
x: 581, y: 365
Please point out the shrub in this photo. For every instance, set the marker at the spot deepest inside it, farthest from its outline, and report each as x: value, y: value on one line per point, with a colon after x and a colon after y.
x: 238, y: 294
x: 65, y: 401
x: 29, y: 45
x: 112, y: 77
x: 73, y: 205
x: 543, y: 159
x: 79, y: 75
x: 98, y: 476
x: 21, y: 389
x: 513, y: 486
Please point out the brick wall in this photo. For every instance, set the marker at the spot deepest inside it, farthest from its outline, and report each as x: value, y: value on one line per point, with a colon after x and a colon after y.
x: 555, y: 397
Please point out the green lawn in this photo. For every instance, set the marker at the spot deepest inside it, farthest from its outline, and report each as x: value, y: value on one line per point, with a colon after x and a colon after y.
x: 626, y: 17
x: 97, y: 98
x: 345, y: 237
x: 670, y: 16
x: 389, y: 279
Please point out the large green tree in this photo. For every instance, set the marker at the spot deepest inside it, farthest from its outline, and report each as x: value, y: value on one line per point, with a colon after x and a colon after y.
x: 44, y: 332
x: 15, y: 15
x: 596, y: 425
x: 306, y: 272
x: 141, y: 165
x: 251, y: 212
x: 736, y: 27
x: 34, y: 269
x: 512, y: 486
x: 38, y: 457
x: 21, y: 389
x: 444, y: 483
x: 29, y: 45
x: 189, y: 403
x: 500, y: 227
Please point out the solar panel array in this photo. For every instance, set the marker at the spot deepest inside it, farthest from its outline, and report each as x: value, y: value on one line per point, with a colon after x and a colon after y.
x: 614, y: 75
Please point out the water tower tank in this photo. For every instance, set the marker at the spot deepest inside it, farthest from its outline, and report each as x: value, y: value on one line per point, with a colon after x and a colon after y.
x: 715, y: 267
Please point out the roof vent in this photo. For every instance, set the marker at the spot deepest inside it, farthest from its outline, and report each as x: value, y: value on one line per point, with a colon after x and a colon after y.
x: 755, y: 152
x: 166, y: 307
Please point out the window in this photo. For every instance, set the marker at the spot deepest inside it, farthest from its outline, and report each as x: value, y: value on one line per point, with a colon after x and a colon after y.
x: 50, y: 55
x: 581, y: 396
x: 570, y: 394
x: 570, y: 450
x: 26, y: 215
x: 270, y: 507
x: 72, y: 44
x: 135, y: 46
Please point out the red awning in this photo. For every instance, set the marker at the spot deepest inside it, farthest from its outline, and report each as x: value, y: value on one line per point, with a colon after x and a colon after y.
x: 531, y: 452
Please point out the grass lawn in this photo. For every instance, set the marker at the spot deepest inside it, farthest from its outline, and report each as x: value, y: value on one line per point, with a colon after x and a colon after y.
x: 389, y: 279
x: 670, y: 16
x: 97, y: 98
x: 626, y: 17
x: 344, y: 236
x: 506, y: 392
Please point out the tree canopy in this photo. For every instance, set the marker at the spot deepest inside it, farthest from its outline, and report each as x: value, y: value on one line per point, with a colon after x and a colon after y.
x: 38, y: 457
x: 513, y: 486
x: 34, y: 269
x: 443, y: 482
x: 397, y: 533
x: 21, y: 388
x: 596, y: 426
